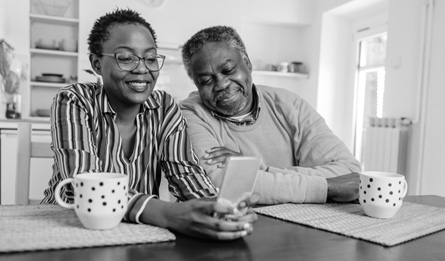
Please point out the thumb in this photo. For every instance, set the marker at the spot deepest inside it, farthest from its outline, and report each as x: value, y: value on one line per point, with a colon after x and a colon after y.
x: 249, y: 201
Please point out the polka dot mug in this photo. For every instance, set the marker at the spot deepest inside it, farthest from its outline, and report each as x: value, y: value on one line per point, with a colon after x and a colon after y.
x: 382, y: 193
x: 100, y: 199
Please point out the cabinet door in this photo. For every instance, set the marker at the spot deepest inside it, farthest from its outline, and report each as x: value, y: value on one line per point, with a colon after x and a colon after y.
x: 8, y: 166
x: 41, y: 169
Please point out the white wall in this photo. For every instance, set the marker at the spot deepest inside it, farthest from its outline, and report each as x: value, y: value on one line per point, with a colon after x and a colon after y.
x: 432, y: 157
x: 177, y: 20
x: 3, y: 24
x: 402, y: 62
x: 405, y: 89
x: 334, y: 77
x: 403, y: 93
x: 335, y: 95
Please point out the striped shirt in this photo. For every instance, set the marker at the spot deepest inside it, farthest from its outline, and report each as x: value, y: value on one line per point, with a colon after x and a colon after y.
x: 85, y: 138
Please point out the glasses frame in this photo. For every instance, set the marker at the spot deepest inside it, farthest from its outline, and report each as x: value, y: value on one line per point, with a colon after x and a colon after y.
x: 114, y: 55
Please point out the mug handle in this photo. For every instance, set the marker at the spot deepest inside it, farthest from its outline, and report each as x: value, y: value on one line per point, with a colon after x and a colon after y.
x: 57, y: 192
x: 405, y: 188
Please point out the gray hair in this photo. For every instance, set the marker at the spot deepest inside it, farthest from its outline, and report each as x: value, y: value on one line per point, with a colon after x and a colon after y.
x: 214, y: 34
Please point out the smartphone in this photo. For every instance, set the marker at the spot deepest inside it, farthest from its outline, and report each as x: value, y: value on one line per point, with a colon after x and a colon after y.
x: 239, y: 178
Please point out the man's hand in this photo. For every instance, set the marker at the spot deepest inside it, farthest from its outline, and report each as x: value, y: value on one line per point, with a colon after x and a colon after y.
x: 219, y: 155
x: 343, y: 188
x: 199, y: 217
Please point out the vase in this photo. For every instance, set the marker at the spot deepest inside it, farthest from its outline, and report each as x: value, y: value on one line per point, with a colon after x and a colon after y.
x: 13, y: 105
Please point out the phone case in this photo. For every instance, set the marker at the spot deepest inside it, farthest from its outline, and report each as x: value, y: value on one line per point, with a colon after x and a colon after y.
x: 239, y: 178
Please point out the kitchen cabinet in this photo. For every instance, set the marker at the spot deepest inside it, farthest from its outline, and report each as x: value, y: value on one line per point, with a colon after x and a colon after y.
x: 41, y: 169
x: 54, y: 34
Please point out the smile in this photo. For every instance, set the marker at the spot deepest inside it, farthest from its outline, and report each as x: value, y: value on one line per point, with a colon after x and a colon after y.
x: 228, y: 97
x: 138, y: 85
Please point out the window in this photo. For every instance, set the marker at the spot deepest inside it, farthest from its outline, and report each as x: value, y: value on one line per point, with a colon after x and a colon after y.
x: 370, y: 83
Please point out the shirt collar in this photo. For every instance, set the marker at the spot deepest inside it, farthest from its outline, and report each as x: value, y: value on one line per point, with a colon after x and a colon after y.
x: 151, y: 103
x: 250, y: 118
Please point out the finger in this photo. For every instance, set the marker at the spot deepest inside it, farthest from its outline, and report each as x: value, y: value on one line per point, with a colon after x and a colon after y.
x: 215, y: 149
x: 219, y: 159
x: 250, y: 217
x: 220, y: 152
x: 229, y: 225
x: 249, y: 201
x: 215, y: 152
x: 209, y: 207
x: 224, y: 206
x: 221, y: 230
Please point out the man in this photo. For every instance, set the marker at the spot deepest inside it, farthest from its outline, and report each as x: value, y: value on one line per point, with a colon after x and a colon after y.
x: 302, y: 160
x: 124, y: 126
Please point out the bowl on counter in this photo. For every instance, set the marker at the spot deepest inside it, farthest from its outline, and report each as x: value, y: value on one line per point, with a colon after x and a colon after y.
x: 43, y: 112
x: 68, y: 45
x: 51, y: 77
x: 49, y: 44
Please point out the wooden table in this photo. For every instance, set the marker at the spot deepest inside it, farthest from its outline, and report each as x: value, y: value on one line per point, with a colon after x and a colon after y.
x: 272, y: 240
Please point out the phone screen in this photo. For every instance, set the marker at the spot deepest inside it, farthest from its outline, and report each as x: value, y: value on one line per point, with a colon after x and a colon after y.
x: 240, y: 174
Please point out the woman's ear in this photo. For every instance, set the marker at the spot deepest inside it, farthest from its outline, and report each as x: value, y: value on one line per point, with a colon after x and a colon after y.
x: 95, y: 63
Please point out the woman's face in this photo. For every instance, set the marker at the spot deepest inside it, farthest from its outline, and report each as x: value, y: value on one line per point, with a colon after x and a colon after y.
x: 125, y: 89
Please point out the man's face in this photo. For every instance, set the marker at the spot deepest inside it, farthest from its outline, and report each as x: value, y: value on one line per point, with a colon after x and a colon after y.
x: 223, y: 78
x: 127, y: 88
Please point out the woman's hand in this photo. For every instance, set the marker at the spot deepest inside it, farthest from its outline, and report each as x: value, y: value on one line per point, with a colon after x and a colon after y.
x: 200, y: 218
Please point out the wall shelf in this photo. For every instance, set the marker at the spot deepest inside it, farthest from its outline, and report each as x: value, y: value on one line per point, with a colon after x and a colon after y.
x: 56, y: 19
x: 48, y: 84
x: 53, y: 49
x: 282, y: 74
x: 53, y: 52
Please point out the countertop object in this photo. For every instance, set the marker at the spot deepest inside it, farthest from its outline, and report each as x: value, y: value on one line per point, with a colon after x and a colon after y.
x: 43, y: 112
x: 50, y: 78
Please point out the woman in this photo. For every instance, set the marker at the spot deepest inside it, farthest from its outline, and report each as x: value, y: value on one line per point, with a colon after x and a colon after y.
x: 124, y: 126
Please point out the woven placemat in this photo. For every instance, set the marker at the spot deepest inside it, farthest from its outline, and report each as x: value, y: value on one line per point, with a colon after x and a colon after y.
x: 42, y: 227
x: 411, y: 221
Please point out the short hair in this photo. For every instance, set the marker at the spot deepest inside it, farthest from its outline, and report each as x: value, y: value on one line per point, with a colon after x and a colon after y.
x: 214, y: 34
x: 100, y: 31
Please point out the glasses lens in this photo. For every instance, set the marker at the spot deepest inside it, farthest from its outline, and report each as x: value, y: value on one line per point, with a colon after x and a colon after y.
x: 154, y: 63
x: 127, y: 61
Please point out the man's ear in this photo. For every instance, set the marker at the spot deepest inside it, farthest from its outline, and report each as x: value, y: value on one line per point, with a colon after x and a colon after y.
x: 247, y: 62
x: 95, y: 63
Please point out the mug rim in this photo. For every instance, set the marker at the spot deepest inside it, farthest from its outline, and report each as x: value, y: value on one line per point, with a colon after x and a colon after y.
x: 95, y: 175
x: 382, y: 174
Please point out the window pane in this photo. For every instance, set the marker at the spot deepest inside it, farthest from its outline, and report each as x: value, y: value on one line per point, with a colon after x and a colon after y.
x: 373, y: 51
x: 374, y: 90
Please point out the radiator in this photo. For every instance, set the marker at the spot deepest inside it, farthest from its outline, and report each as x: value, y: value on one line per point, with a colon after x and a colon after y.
x: 385, y: 145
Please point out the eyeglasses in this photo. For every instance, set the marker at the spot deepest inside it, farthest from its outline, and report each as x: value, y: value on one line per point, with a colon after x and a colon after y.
x: 129, y: 61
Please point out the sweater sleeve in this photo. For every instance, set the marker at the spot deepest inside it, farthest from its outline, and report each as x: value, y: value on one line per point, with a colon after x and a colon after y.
x: 275, y: 187
x: 319, y: 153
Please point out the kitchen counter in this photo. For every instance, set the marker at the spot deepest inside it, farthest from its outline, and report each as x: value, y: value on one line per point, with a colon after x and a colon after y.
x: 37, y: 123
x: 41, y: 169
